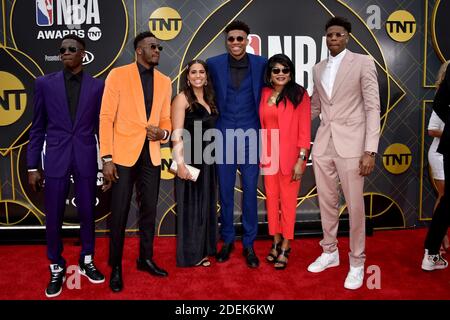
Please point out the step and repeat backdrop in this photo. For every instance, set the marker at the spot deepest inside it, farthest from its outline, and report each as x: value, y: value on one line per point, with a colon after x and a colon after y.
x: 407, y: 39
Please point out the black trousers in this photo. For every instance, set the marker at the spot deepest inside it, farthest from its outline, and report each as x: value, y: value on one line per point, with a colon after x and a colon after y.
x: 441, y: 217
x: 146, y: 177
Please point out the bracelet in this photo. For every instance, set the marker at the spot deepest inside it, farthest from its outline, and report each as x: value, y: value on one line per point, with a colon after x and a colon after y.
x: 372, y: 154
x: 302, y: 155
x: 105, y: 160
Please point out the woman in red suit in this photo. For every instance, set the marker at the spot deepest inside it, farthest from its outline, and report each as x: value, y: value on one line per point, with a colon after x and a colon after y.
x: 286, y: 117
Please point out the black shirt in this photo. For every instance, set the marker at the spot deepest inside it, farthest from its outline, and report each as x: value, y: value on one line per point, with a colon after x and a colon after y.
x: 73, y: 87
x: 147, y: 86
x: 238, y: 70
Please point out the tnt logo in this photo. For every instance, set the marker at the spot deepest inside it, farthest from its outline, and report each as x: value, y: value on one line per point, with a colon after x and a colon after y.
x: 254, y: 44
x: 44, y: 12
x: 165, y: 23
x: 13, y: 98
x: 94, y: 33
x: 166, y: 161
x: 401, y: 26
x: 397, y: 158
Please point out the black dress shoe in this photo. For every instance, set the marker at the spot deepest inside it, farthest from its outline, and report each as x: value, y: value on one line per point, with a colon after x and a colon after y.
x: 116, y: 283
x: 57, y: 278
x: 251, y: 258
x: 151, y: 267
x: 224, y: 253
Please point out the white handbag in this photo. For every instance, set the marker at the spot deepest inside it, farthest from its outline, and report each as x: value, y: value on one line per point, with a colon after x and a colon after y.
x: 192, y: 170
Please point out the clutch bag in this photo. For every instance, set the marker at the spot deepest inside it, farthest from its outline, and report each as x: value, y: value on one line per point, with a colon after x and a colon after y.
x: 192, y: 170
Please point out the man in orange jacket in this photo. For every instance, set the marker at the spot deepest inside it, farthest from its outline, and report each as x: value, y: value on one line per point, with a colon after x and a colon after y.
x: 134, y: 121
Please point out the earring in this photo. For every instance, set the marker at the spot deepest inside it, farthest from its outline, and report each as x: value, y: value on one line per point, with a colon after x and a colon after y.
x: 188, y: 83
x: 206, y: 83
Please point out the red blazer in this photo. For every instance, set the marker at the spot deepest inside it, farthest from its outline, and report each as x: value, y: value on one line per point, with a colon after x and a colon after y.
x: 295, y: 130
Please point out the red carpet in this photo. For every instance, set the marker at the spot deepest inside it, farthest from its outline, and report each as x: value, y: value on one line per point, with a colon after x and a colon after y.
x: 398, y: 254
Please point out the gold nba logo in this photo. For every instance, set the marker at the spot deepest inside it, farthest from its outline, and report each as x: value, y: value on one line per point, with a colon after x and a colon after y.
x: 165, y: 23
x: 397, y: 158
x: 401, y: 26
x: 13, y: 98
x: 166, y: 161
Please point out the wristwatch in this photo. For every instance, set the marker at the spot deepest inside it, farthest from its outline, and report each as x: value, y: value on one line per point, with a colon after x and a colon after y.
x: 372, y: 154
x: 302, y: 155
x: 106, y: 159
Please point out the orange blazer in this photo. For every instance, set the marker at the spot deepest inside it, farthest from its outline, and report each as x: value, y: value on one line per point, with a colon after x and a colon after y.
x: 294, y: 129
x: 123, y: 118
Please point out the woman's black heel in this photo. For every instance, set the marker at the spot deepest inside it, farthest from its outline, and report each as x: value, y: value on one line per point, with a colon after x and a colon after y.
x: 276, y: 247
x: 282, y: 264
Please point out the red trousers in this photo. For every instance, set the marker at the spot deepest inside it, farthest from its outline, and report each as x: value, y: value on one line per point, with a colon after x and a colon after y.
x: 281, y: 203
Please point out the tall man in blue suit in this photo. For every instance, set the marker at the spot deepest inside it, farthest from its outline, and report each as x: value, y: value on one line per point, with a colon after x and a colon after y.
x: 66, y: 116
x: 238, y: 79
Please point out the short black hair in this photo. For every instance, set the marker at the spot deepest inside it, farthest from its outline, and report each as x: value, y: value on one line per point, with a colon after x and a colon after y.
x: 339, y: 21
x: 141, y: 36
x: 238, y: 25
x: 76, y: 38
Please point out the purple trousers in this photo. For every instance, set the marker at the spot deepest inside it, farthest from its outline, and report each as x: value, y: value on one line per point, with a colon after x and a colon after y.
x: 56, y: 191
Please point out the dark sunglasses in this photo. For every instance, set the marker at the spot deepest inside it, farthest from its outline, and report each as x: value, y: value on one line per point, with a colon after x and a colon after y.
x: 154, y: 46
x: 238, y: 39
x: 284, y: 70
x: 63, y: 50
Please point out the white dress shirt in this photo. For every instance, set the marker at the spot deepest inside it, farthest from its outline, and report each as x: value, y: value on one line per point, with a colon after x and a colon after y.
x: 331, y: 69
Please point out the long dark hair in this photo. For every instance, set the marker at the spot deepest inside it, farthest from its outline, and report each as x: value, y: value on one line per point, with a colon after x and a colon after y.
x: 292, y: 90
x: 208, y: 90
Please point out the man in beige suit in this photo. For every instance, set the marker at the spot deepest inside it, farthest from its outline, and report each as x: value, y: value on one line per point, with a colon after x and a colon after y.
x: 347, y: 99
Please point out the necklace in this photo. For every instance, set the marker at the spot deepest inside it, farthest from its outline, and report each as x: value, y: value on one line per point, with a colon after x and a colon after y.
x: 273, y: 97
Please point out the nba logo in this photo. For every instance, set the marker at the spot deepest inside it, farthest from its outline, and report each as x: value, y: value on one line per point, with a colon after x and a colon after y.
x: 254, y: 44
x: 44, y: 12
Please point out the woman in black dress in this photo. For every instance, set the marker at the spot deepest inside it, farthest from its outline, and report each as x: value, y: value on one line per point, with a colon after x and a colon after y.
x: 193, y: 113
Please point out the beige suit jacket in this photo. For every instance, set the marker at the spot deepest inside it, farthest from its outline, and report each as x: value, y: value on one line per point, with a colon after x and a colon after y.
x: 351, y: 116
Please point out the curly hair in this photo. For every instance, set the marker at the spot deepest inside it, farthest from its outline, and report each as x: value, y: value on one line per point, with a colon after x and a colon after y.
x: 237, y: 25
x: 339, y: 21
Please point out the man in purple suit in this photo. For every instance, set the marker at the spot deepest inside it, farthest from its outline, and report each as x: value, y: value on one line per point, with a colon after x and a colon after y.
x: 66, y: 116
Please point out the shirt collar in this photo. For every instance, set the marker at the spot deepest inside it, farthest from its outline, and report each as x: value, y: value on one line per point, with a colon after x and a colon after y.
x: 143, y: 69
x: 337, y: 58
x: 69, y: 75
x: 241, y: 63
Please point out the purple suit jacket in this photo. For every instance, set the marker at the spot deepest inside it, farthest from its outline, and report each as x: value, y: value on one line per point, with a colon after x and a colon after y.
x: 68, y: 145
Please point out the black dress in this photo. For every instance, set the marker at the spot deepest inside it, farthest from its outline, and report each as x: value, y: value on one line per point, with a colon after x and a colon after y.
x: 196, y: 201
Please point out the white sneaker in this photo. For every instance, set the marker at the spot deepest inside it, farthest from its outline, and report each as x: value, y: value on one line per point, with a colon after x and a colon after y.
x: 325, y: 261
x: 432, y: 262
x: 354, y: 278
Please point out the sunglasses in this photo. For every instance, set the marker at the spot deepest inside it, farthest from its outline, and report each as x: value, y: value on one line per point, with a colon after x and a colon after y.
x: 337, y: 34
x: 278, y: 70
x: 63, y: 50
x: 238, y: 39
x: 154, y: 46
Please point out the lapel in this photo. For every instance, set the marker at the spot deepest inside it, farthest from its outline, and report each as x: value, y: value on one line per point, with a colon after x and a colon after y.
x: 255, y: 80
x: 285, y: 115
x: 137, y: 92
x: 61, y: 105
x: 223, y: 73
x: 86, y: 87
x: 158, y: 96
x: 320, y: 70
x: 342, y: 72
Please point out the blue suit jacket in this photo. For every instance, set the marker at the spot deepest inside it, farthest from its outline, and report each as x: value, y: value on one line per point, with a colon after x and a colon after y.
x: 67, y: 144
x: 219, y: 68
